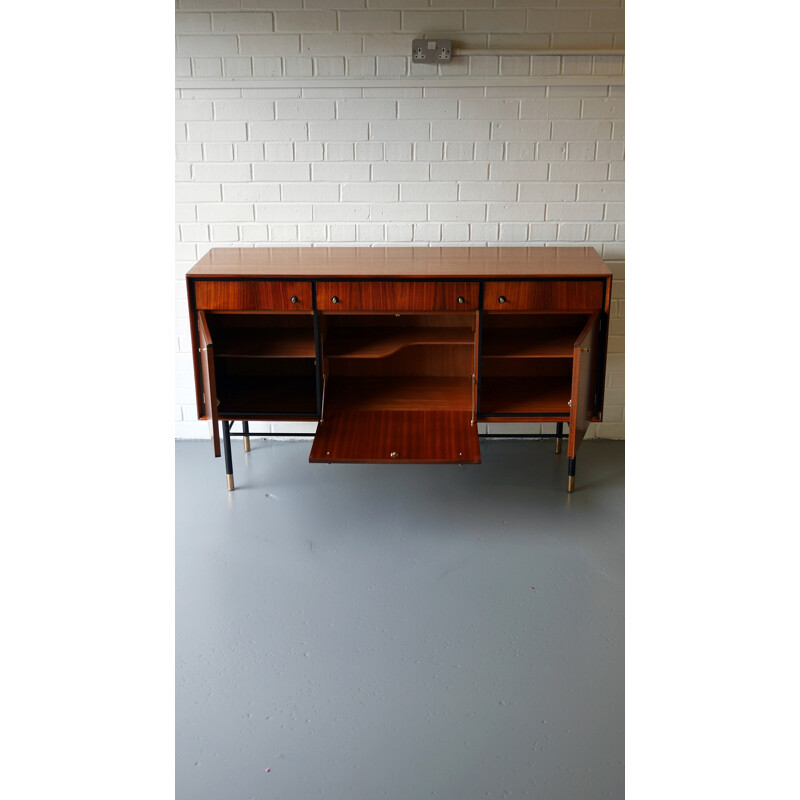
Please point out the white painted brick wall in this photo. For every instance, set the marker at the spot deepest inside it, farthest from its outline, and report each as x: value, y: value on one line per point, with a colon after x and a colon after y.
x: 278, y: 155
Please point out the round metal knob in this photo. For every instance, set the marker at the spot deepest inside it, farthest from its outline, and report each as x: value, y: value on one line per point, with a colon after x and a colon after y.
x: 293, y: 298
x: 334, y: 299
x: 461, y: 300
x: 501, y: 299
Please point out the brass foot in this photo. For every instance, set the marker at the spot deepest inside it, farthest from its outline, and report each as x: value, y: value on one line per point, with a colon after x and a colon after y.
x: 571, y: 483
x: 558, y: 445
x: 230, y: 482
x: 247, y: 444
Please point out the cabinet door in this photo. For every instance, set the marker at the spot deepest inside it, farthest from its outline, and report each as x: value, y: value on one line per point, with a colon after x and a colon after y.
x: 360, y: 436
x: 209, y: 381
x: 583, y: 401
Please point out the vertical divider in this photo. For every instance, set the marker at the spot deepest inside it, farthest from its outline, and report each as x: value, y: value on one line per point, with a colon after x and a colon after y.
x: 317, y: 346
x: 478, y: 353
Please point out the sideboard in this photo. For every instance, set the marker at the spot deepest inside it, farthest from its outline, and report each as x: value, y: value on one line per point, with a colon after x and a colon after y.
x: 397, y: 353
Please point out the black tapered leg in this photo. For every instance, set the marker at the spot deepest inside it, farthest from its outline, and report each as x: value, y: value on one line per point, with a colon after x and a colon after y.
x: 571, y: 475
x: 226, y: 446
x: 246, y: 432
x: 559, y: 435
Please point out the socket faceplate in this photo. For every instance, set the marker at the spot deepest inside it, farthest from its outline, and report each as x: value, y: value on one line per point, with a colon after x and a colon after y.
x: 431, y: 51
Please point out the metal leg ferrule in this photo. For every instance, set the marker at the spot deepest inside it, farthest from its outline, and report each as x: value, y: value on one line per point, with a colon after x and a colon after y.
x: 229, y: 478
x: 559, y: 434
x: 571, y: 475
x: 246, y: 431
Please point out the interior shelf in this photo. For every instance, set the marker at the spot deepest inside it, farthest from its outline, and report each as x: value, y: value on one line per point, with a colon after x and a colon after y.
x: 381, y: 342
x: 519, y: 343
x: 525, y: 395
x: 399, y: 393
x: 265, y: 343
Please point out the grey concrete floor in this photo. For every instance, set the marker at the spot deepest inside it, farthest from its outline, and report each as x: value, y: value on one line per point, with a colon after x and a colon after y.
x: 355, y: 632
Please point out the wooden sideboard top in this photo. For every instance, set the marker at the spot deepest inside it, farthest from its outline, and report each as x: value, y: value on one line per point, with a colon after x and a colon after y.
x: 401, y: 262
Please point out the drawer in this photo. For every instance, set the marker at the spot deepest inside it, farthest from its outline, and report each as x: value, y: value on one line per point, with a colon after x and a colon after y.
x: 544, y: 295
x: 253, y: 295
x: 397, y: 296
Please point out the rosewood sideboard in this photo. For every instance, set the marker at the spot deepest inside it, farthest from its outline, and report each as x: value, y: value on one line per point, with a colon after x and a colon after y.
x: 398, y: 353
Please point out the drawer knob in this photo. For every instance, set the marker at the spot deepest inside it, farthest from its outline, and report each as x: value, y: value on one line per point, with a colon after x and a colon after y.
x: 293, y: 298
x: 461, y: 300
x: 334, y: 299
x: 501, y: 299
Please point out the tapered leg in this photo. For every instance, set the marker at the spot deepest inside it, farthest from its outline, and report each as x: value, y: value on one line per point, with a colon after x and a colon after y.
x: 226, y: 446
x: 246, y: 431
x: 559, y: 434
x: 571, y: 475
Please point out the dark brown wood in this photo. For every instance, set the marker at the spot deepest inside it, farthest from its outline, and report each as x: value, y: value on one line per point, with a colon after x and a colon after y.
x: 253, y: 295
x: 396, y: 437
x: 525, y: 343
x: 345, y: 296
x: 544, y: 295
x: 584, y: 383
x: 209, y: 380
x: 405, y: 393
x: 531, y: 396
x: 376, y: 343
x: 262, y: 335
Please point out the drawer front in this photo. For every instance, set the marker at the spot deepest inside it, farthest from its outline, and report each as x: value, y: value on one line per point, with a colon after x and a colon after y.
x: 543, y: 295
x: 397, y: 296
x: 253, y: 295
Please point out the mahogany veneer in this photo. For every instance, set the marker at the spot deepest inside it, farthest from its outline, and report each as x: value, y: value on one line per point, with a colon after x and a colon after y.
x: 399, y: 353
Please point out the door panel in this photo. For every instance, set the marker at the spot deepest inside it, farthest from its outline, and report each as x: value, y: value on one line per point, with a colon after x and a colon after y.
x: 209, y: 379
x: 585, y: 358
x: 396, y: 437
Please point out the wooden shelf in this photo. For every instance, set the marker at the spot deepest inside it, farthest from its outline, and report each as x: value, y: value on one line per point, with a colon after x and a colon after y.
x: 382, y: 342
x: 520, y: 343
x: 404, y: 393
x: 259, y: 342
x: 543, y: 395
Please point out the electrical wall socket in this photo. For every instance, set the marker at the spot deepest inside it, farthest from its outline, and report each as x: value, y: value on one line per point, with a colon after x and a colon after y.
x: 431, y: 51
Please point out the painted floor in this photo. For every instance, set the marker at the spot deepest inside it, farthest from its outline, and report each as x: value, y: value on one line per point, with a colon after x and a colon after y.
x: 356, y: 632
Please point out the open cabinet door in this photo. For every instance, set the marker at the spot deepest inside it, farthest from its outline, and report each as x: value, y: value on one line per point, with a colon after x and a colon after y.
x: 399, y: 437
x: 584, y: 382
x: 209, y: 381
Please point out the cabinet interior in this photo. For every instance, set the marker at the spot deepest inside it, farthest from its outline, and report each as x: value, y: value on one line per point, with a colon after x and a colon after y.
x: 399, y: 361
x: 526, y: 363
x: 265, y: 364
